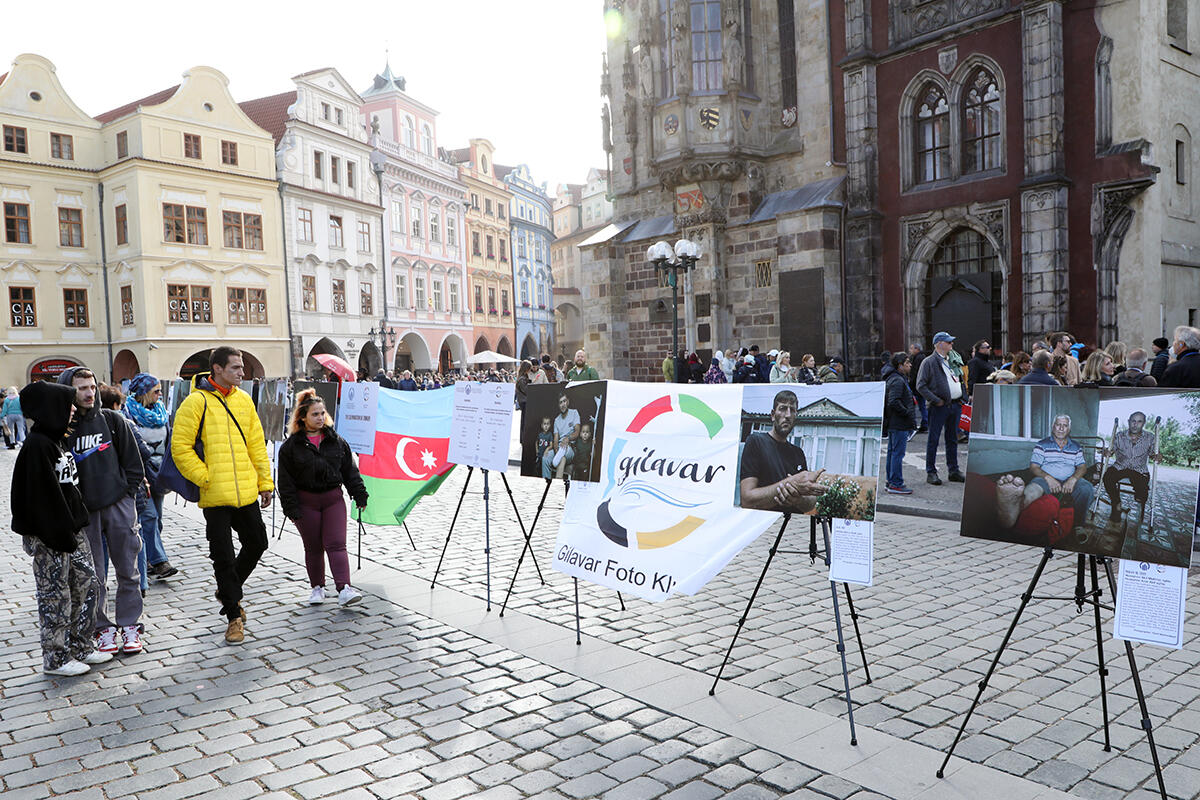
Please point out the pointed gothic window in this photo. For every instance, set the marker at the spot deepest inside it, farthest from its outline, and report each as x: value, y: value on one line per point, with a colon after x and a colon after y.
x: 706, y: 46
x: 931, y: 139
x: 981, y: 123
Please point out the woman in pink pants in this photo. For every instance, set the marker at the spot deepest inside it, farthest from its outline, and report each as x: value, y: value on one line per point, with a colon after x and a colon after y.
x: 314, y: 464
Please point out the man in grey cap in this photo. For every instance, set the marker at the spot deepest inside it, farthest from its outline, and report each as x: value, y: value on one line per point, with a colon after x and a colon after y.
x: 943, y: 392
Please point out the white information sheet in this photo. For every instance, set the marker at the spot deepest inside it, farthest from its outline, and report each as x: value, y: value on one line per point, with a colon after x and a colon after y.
x: 481, y: 426
x: 852, y: 546
x: 356, y: 416
x: 1150, y: 601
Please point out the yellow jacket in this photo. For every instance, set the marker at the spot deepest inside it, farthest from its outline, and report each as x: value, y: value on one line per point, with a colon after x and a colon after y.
x: 232, y: 473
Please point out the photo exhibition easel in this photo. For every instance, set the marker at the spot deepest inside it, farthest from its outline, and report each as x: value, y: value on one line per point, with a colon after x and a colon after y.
x: 813, y: 552
x: 529, y: 546
x: 487, y: 526
x: 1082, y: 597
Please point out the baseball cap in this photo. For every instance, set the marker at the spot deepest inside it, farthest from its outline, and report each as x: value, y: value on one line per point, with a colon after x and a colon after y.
x: 749, y: 359
x: 836, y: 360
x: 942, y: 336
x: 773, y: 353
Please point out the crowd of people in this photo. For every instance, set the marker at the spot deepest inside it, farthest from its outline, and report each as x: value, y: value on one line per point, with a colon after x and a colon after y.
x: 750, y: 365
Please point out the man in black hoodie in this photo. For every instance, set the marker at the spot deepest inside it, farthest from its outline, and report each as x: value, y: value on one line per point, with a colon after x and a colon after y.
x: 110, y: 472
x: 48, y: 512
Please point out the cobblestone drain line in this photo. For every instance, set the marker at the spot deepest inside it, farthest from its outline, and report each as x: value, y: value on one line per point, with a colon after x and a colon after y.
x: 931, y: 624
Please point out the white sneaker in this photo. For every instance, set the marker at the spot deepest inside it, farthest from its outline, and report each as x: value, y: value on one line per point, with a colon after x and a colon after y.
x: 106, y: 640
x: 96, y: 657
x: 559, y: 456
x: 131, y: 639
x: 317, y: 597
x: 349, y: 595
x: 71, y: 669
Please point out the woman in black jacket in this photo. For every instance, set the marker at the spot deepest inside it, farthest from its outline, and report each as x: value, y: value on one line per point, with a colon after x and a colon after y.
x: 314, y: 464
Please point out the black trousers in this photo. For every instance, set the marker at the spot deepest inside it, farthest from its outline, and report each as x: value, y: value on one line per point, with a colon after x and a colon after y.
x: 232, y: 571
x: 1139, y: 480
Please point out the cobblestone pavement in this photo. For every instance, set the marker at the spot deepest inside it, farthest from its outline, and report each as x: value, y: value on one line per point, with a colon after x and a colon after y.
x: 385, y: 701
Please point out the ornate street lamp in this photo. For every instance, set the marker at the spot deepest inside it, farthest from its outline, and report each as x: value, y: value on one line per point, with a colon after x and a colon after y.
x: 384, y: 337
x: 673, y: 260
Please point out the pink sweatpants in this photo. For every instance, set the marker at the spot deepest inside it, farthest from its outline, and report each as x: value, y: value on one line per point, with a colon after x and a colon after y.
x: 322, y: 527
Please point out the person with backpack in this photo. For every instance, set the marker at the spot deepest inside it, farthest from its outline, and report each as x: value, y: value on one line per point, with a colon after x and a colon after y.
x: 233, y: 475
x: 110, y: 474
x: 49, y: 514
x: 145, y: 409
x: 314, y: 464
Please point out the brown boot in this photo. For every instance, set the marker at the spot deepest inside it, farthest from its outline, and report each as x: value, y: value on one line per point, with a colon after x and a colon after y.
x: 235, y: 633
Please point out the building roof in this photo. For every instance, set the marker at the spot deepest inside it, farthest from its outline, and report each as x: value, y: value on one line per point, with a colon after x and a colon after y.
x: 384, y: 82
x: 129, y: 108
x: 502, y: 171
x: 270, y: 113
x: 606, y: 234
x: 460, y: 155
x: 651, y: 228
x: 817, y: 194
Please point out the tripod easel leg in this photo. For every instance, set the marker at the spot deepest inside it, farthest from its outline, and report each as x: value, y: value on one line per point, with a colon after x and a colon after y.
x: 1137, y: 685
x: 841, y: 643
x: 527, y: 534
x: 741, y: 622
x: 1101, y: 669
x: 1025, y: 598
x: 487, y: 539
x: 466, y: 483
x: 528, y: 544
x: 857, y: 634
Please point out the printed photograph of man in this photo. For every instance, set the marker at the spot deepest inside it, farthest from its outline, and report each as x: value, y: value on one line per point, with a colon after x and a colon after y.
x: 564, y: 431
x: 810, y: 449
x: 1038, y: 460
x: 774, y: 473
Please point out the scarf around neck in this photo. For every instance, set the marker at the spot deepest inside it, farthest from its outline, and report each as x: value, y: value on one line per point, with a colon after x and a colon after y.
x: 153, y: 417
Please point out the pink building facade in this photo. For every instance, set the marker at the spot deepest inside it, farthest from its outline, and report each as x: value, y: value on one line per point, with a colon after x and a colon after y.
x: 428, y: 322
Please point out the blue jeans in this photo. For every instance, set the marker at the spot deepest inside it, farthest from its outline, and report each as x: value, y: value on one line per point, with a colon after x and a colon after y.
x: 897, y: 446
x: 548, y: 467
x: 149, y: 511
x: 921, y: 405
x: 1081, y: 495
x: 16, y: 424
x: 943, y: 421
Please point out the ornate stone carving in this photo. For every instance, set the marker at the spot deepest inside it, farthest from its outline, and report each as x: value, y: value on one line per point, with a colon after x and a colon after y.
x: 606, y: 128
x: 912, y: 18
x: 734, y: 55
x: 645, y: 70
x: 605, y: 86
x: 697, y: 170
x: 681, y: 47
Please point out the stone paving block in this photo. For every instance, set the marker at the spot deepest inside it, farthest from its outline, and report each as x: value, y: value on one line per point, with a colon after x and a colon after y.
x: 331, y: 784
x: 677, y: 771
x: 587, y: 786
x: 285, y: 779
x: 642, y: 788
x: 788, y: 776
x: 721, y: 751
x: 695, y: 790
x: 445, y: 770
x: 450, y: 790
x: 833, y: 786
x: 630, y: 767
x: 729, y: 776
x: 193, y: 787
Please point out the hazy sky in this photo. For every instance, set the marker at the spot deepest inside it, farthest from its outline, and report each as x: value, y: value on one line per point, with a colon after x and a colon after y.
x: 542, y: 57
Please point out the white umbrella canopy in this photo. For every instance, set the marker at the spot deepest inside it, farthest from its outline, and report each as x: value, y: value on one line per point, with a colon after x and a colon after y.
x: 491, y: 357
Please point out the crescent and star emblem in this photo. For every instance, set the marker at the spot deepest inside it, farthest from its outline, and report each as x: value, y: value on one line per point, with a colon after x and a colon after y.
x: 427, y: 459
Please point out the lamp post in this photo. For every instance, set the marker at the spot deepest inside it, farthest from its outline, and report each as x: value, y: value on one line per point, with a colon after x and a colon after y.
x: 384, y: 337
x: 673, y: 260
x: 379, y: 166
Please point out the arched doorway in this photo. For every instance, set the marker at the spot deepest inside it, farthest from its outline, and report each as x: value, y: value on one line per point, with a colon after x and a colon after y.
x: 48, y: 369
x: 481, y: 344
x: 962, y: 290
x: 453, y: 353
x: 324, y: 346
x: 125, y: 366
x: 529, y: 348
x: 369, y: 359
x: 504, y: 347
x: 412, y: 353
x: 198, y: 362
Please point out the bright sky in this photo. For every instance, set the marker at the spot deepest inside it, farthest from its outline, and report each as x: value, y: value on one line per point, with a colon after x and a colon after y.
x: 541, y: 57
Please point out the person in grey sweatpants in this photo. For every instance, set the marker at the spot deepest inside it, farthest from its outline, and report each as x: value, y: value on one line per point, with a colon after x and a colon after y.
x: 110, y: 474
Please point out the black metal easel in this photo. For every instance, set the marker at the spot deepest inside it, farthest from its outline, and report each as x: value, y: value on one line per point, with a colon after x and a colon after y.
x: 487, y: 527
x: 1082, y: 597
x: 813, y: 552
x: 528, y: 545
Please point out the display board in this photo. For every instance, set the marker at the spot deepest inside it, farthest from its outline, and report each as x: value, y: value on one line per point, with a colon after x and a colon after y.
x: 356, y: 416
x: 564, y: 430
x: 1108, y: 472
x: 481, y: 430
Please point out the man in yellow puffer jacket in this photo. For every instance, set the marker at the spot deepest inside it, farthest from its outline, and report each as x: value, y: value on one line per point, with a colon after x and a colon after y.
x: 234, y: 476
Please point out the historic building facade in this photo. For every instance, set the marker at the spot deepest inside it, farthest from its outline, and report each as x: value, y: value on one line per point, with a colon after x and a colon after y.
x: 713, y: 136
x: 489, y: 270
x: 424, y: 201
x: 331, y: 219
x: 531, y: 236
x: 1015, y: 169
x: 136, y: 239
x: 580, y: 209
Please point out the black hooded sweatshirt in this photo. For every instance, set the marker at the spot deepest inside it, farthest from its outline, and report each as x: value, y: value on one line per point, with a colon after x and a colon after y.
x: 46, y: 503
x: 110, y: 466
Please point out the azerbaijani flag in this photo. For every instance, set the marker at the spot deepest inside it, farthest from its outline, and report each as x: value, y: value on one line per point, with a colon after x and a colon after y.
x: 412, y: 437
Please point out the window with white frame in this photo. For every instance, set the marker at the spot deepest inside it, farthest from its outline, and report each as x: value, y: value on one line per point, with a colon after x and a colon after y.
x: 397, y: 216
x: 402, y: 291
x: 437, y: 295
x: 454, y: 303
x: 452, y: 231
x: 435, y: 232
x: 418, y: 230
x: 419, y: 292
x: 427, y: 140
x: 410, y: 134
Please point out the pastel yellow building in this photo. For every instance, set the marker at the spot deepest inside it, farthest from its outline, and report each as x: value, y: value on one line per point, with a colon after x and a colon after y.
x: 189, y: 255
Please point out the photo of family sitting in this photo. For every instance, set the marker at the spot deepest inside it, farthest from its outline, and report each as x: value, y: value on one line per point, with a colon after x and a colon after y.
x: 1109, y: 472
x: 562, y: 431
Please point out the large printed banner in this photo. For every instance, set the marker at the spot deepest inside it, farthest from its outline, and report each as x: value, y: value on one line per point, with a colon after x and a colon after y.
x: 661, y: 515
